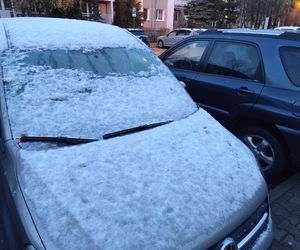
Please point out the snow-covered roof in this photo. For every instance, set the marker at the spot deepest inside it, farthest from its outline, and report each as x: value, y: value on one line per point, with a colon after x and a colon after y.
x: 172, y: 187
x: 36, y: 32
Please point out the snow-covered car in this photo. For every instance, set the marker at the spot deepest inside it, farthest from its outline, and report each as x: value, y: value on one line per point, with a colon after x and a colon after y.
x: 102, y: 148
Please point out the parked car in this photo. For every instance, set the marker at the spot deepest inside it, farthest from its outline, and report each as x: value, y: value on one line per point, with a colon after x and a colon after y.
x: 250, y: 82
x: 175, y: 36
x: 97, y: 153
x: 141, y: 35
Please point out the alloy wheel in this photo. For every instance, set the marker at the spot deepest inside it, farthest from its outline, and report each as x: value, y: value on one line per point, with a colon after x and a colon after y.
x: 261, y: 149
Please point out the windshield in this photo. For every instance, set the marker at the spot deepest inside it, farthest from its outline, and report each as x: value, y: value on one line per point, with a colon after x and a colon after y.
x: 89, y: 93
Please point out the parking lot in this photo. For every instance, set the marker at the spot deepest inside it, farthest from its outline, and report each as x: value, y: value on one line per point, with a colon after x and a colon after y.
x: 285, y: 204
x: 184, y: 160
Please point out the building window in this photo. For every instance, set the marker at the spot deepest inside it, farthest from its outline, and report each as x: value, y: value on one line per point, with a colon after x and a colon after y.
x: 7, y: 4
x: 159, y: 15
x: 146, y: 16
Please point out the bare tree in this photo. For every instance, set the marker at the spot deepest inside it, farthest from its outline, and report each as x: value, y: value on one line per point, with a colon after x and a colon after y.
x: 254, y: 12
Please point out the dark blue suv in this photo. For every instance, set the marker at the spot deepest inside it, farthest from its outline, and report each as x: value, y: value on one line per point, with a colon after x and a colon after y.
x: 250, y: 82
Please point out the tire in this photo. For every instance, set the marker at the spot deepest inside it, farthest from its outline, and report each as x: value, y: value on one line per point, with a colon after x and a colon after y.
x: 160, y: 44
x: 268, y: 149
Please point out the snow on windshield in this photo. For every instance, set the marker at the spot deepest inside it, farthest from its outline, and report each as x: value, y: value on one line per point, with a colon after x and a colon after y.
x: 46, y: 96
x: 32, y: 32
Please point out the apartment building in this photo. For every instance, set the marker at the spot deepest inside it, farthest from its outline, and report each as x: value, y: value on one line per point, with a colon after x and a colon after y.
x: 158, y: 14
x: 6, y: 8
x: 178, y: 8
x: 105, y: 8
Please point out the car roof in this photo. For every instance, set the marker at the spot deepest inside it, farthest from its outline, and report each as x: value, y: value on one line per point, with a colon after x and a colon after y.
x: 287, y: 28
x: 132, y: 29
x: 33, y: 32
x: 251, y: 34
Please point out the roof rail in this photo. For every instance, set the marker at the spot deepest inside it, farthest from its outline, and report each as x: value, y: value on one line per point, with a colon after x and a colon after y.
x: 290, y: 35
x: 212, y: 31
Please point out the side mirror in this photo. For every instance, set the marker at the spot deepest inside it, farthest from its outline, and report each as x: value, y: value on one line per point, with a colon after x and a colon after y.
x: 168, y: 63
x: 182, y: 84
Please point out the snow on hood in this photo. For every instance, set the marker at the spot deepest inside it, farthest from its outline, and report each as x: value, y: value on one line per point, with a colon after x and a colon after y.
x: 33, y: 32
x: 156, y: 189
x: 46, y: 101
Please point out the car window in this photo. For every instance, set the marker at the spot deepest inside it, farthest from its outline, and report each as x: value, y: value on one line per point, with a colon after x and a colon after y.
x: 188, y: 56
x: 235, y: 60
x: 173, y: 33
x: 100, y: 62
x: 291, y: 60
x: 183, y: 33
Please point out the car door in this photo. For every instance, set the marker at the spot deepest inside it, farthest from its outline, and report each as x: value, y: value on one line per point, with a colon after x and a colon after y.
x: 185, y: 60
x: 170, y: 39
x: 232, y: 80
x: 182, y: 34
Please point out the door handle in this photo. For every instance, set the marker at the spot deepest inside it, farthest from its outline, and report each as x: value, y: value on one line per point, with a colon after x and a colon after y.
x: 245, y: 91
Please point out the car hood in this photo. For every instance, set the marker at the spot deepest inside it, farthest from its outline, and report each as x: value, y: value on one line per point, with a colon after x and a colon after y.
x: 173, y: 186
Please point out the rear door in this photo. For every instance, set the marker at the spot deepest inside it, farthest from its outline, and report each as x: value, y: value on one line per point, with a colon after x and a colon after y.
x: 182, y: 34
x: 170, y: 39
x: 232, y: 80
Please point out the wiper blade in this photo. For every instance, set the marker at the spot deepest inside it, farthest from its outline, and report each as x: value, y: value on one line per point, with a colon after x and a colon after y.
x: 65, y: 140
x: 133, y: 130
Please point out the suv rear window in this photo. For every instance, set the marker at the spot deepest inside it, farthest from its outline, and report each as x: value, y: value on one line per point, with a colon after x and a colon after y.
x: 236, y: 60
x: 291, y: 60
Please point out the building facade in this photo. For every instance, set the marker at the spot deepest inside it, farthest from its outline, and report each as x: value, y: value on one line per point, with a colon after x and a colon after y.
x: 178, y: 8
x: 104, y: 7
x: 6, y: 8
x: 158, y: 14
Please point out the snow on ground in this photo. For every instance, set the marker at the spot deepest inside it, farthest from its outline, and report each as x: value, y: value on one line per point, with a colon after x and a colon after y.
x: 43, y: 101
x: 48, y: 33
x: 157, y: 189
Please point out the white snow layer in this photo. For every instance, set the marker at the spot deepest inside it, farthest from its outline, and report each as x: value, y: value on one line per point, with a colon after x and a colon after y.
x: 3, y: 40
x: 43, y: 101
x: 158, y: 189
x: 33, y: 32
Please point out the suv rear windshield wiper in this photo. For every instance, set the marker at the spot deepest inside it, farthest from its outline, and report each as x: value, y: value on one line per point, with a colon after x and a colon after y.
x: 133, y: 130
x: 65, y: 140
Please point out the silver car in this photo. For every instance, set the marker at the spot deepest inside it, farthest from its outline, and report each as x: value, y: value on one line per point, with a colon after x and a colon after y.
x: 102, y: 148
x: 175, y: 36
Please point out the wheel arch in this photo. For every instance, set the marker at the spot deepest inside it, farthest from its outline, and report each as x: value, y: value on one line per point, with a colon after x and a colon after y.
x: 243, y: 122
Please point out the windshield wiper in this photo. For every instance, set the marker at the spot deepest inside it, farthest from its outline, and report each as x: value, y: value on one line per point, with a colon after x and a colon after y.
x: 76, y: 141
x: 133, y: 130
x: 65, y: 140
